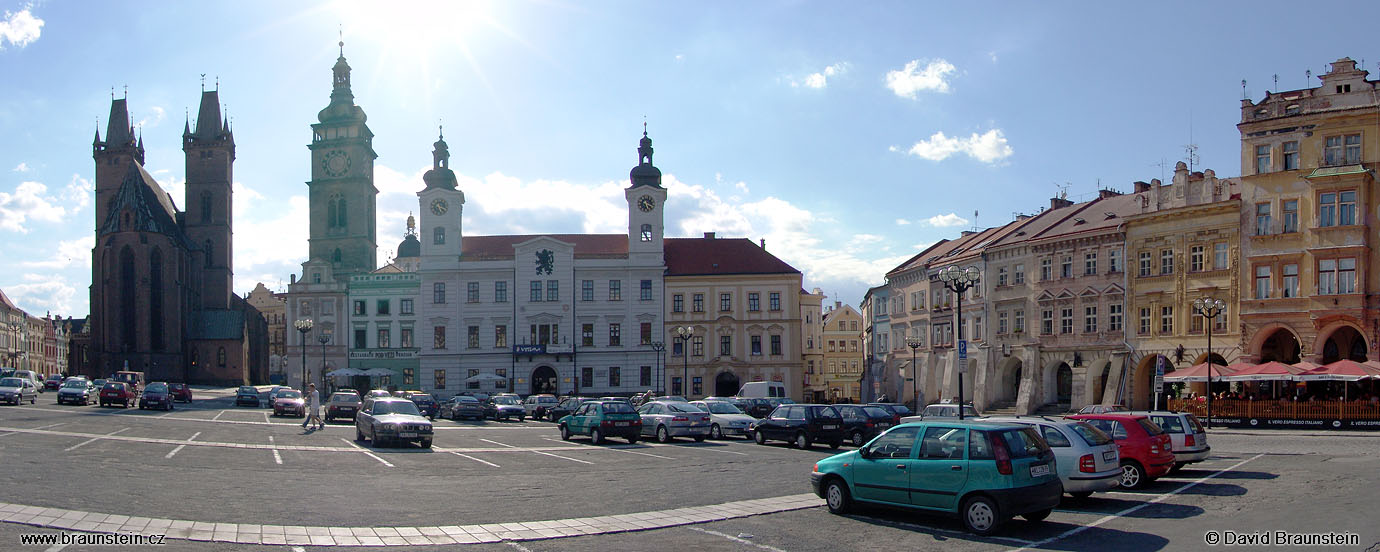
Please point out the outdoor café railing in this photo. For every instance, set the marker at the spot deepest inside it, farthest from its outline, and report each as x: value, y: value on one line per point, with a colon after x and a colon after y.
x: 1284, y: 410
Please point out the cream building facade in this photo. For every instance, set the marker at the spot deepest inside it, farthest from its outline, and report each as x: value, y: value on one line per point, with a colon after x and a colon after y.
x: 844, y: 353
x: 812, y: 336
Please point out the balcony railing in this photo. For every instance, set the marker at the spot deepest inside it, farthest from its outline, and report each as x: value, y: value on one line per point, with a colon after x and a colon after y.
x: 1280, y: 409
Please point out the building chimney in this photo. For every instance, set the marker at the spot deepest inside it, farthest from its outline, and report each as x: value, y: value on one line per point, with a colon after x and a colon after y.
x: 1057, y: 202
x: 292, y: 279
x: 1142, y: 186
x: 763, y: 242
x: 1106, y: 193
x: 708, y: 235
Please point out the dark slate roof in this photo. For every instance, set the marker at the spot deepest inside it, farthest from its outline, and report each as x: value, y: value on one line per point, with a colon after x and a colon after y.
x: 217, y: 324
x: 475, y: 248
x: 153, y: 208
x: 704, y: 256
x: 410, y: 247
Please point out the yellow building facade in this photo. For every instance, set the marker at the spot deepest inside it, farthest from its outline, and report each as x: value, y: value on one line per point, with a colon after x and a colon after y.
x: 844, y: 354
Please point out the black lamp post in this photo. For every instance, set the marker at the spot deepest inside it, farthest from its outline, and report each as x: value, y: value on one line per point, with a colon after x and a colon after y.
x: 959, y: 280
x: 914, y: 343
x: 684, y: 333
x: 303, y: 326
x: 324, y: 338
x: 659, y: 347
x: 1209, y: 308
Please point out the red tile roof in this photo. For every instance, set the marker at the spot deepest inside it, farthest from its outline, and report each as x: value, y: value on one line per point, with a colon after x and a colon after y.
x: 501, y: 247
x: 703, y: 256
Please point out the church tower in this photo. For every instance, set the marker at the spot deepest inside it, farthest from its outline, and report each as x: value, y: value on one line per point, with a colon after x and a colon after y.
x: 342, y: 194
x: 113, y: 156
x: 646, y: 207
x: 209, y: 218
x: 441, y: 206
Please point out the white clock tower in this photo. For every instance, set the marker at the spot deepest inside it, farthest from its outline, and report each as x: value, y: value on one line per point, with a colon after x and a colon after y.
x: 441, y: 205
x: 646, y: 207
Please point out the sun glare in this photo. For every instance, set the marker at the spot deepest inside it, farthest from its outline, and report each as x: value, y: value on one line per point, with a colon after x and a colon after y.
x: 416, y: 29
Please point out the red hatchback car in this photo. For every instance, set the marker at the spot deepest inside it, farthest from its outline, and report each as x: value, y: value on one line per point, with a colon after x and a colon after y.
x: 1146, y: 451
x: 181, y: 392
x: 117, y: 392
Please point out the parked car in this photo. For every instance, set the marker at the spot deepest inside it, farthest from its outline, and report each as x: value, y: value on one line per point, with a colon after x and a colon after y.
x: 600, y: 419
x: 77, y: 391
x: 425, y: 404
x: 1086, y: 457
x: 778, y: 401
x: 156, y: 395
x: 53, y: 383
x: 1101, y: 409
x: 1187, y: 436
x: 99, y: 383
x: 1146, y: 450
x: 862, y: 423
x: 247, y: 395
x: 762, y: 389
x: 897, y: 410
x: 504, y: 407
x: 667, y: 420
x: 342, y: 404
x: 375, y: 394
x: 535, y: 405
x: 982, y: 472
x: 32, y: 376
x: 135, y: 380
x: 117, y: 392
x: 564, y: 408
x: 801, y: 425
x: 753, y: 406
x: 942, y: 410
x: 15, y: 390
x: 290, y: 403
x: 671, y: 398
x: 181, y: 392
x: 725, y: 419
x: 392, y: 421
x: 273, y: 394
x: 515, y: 396
x: 462, y: 406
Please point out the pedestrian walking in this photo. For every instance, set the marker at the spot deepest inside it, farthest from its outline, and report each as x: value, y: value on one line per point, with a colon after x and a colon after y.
x: 313, y: 408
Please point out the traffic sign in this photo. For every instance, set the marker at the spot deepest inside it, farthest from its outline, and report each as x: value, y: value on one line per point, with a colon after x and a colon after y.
x: 963, y: 349
x: 1158, y: 384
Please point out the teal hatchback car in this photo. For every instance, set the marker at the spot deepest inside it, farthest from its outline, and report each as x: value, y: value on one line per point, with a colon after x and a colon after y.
x: 983, y: 472
x: 600, y: 419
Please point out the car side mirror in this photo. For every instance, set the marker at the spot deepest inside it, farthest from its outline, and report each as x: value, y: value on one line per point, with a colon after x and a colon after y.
x: 865, y: 452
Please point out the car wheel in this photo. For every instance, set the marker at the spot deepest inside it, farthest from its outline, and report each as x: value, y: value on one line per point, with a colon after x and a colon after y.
x: 857, y: 439
x: 662, y: 436
x: 597, y: 437
x: 565, y: 433
x: 632, y: 439
x: 699, y: 438
x: 1081, y: 494
x: 980, y: 515
x: 521, y: 419
x: 1036, y: 517
x: 835, y: 445
x: 715, y: 432
x: 426, y: 444
x: 801, y: 440
x: 759, y: 437
x: 1177, y: 466
x: 1132, y: 475
x: 836, y: 496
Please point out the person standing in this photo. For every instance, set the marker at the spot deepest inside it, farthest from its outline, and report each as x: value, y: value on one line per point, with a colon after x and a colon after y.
x: 313, y: 408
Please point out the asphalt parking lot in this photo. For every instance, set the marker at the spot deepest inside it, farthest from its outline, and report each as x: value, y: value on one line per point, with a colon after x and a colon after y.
x: 213, y: 463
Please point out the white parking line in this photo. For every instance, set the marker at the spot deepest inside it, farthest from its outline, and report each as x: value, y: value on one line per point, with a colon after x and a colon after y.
x: 562, y: 457
x: 697, y: 446
x: 736, y: 539
x: 92, y: 440
x: 1133, y: 509
x: 475, y: 459
x: 180, y: 447
x: 933, y: 530
x: 276, y: 457
x: 218, y: 415
x: 39, y: 427
x: 266, y: 419
x: 497, y: 443
x: 616, y: 448
x: 365, y: 451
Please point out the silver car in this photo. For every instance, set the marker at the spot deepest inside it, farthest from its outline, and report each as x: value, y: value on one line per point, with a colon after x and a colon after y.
x: 392, y: 421
x: 1187, y: 435
x: 725, y: 419
x: 1086, y: 458
x: 15, y: 389
x: 667, y: 420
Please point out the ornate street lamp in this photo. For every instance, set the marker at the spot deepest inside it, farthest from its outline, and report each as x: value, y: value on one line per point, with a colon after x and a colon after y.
x: 959, y: 280
x: 303, y: 326
x: 914, y: 343
x: 1209, y: 308
x: 684, y: 333
x: 658, y: 346
x: 324, y: 338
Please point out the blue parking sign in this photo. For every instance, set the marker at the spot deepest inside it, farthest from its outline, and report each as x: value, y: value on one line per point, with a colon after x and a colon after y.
x: 963, y: 349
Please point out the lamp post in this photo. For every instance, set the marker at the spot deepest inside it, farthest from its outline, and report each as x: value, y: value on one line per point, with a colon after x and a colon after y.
x: 684, y: 333
x: 959, y: 280
x: 303, y: 326
x: 324, y: 338
x: 1209, y: 308
x: 658, y: 346
x: 914, y: 343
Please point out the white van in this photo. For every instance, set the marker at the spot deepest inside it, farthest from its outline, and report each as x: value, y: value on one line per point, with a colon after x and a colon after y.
x: 763, y: 389
x: 31, y: 376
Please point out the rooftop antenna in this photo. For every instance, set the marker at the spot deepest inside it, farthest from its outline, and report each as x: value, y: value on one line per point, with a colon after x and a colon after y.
x: 1162, y: 164
x: 1308, y: 78
x: 1064, y: 190
x: 1191, y: 150
x: 126, y: 91
x: 112, y: 92
x: 203, y: 82
x: 1244, y: 95
x: 1276, y: 83
x: 341, y: 32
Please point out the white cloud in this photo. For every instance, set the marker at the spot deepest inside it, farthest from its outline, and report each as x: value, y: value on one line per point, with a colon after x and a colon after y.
x: 22, y: 167
x: 19, y: 28
x: 821, y: 79
x: 911, y: 78
x: 29, y: 201
x: 77, y: 193
x: 902, y: 222
x: 274, y: 238
x: 68, y: 252
x: 992, y: 56
x: 946, y: 221
x: 46, y: 293
x: 243, y: 197
x: 680, y: 57
x: 988, y: 147
x: 155, y: 116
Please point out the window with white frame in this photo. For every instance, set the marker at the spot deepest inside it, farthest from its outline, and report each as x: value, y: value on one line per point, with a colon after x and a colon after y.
x: 1196, y: 258
x: 1166, y: 261
x: 1090, y: 263
x: 1262, y: 159
x: 1289, y: 281
x: 1046, y: 270
x: 1262, y: 282
x: 1066, y: 267
x: 1001, y: 322
x: 1262, y: 219
x: 1145, y: 321
x: 1220, y: 258
x: 1018, y: 274
x: 1019, y: 320
x: 1066, y: 320
x: 1166, y: 320
x: 1289, y: 215
x: 1047, y: 321
x: 1144, y: 264
x: 1114, y: 317
x: 1001, y: 276
x: 1113, y: 260
x: 1291, y: 155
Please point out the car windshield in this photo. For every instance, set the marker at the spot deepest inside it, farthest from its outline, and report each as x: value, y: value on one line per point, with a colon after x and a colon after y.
x: 876, y: 412
x: 625, y: 408
x: 684, y: 408
x: 505, y: 400
x: 723, y: 408
x: 79, y: 384
x: 345, y: 397
x: 249, y: 390
x: 825, y: 412
x: 466, y: 399
x: 116, y: 385
x: 422, y: 398
x: 156, y: 388
x: 396, y: 407
x: 1170, y: 424
x: 289, y: 394
x: 1193, y: 422
x: 900, y: 409
x: 55, y: 377
x: 11, y: 382
x: 1091, y: 435
x: 1150, y: 427
x: 1024, y: 442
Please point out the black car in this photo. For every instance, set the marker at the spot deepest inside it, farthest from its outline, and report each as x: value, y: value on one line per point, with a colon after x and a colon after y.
x: 897, y: 410
x: 801, y: 425
x: 755, y: 407
x: 504, y: 407
x: 425, y: 404
x: 565, y: 407
x: 247, y: 395
x: 862, y: 423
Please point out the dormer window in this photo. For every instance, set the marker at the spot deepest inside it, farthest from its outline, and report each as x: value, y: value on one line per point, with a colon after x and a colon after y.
x: 1077, y: 221
x: 1261, y: 113
x: 1291, y: 109
x: 1343, y: 88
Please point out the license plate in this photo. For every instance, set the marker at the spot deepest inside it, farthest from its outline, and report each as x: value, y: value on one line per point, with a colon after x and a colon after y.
x: 621, y: 424
x: 407, y: 435
x: 830, y: 427
x: 1040, y: 470
x: 883, y: 425
x: 1109, y: 455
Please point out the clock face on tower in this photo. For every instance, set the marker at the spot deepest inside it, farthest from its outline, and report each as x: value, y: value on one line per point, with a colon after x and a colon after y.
x: 335, y: 163
x: 646, y: 203
x: 438, y: 206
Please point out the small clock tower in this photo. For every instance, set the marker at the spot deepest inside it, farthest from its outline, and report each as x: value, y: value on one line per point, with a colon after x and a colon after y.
x: 441, y: 204
x: 343, y: 198
x: 646, y: 207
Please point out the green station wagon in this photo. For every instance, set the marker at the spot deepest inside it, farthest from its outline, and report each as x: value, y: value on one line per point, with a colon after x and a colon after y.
x: 600, y: 419
x: 982, y: 472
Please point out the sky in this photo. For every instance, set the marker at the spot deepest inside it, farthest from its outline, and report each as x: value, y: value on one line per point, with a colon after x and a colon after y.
x: 847, y: 135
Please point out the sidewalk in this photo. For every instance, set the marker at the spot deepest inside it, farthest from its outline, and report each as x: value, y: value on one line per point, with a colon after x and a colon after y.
x: 1360, y: 433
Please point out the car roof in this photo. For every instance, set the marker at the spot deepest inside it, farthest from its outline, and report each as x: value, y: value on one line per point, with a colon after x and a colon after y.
x: 392, y: 399
x: 1108, y: 416
x: 970, y: 423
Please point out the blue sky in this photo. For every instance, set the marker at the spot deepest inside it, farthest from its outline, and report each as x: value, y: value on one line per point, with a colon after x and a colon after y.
x: 847, y: 135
